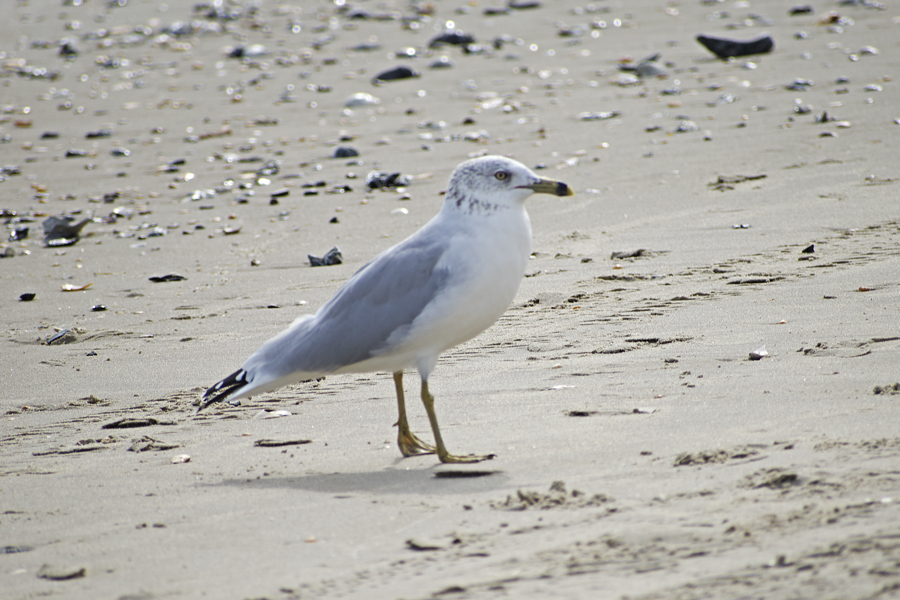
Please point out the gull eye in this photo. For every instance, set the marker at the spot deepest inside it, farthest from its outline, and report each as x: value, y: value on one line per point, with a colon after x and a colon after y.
x: 501, y: 175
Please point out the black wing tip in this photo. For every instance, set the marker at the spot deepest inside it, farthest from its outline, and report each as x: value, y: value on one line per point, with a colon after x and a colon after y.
x: 223, y: 389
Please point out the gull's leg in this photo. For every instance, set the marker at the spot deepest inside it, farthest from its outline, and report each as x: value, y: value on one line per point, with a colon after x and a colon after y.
x: 443, y: 455
x: 409, y: 444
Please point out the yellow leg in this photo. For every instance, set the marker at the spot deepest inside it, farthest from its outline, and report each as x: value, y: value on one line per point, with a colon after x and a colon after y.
x: 409, y: 444
x: 443, y: 455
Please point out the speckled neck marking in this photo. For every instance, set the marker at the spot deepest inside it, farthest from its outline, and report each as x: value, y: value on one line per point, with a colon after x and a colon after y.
x: 471, y: 205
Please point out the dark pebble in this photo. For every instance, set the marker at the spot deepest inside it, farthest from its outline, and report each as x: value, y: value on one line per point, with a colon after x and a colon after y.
x: 451, y: 38
x: 27, y: 297
x: 365, y: 48
x: 280, y: 193
x: 100, y: 133
x: 809, y: 249
x: 725, y: 48
x: 167, y: 278
x: 345, y: 152
x: 462, y: 475
x: 49, y: 135
x: 55, y: 574
x: 19, y: 233
x: 628, y: 254
x: 68, y: 50
x: 394, y: 74
x: 98, y: 308
x: 279, y: 443
x: 334, y: 220
x: 131, y: 423
x: 76, y: 153
x: 801, y: 10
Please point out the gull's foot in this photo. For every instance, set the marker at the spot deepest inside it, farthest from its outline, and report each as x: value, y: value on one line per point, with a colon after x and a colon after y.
x: 410, y: 445
x: 446, y: 457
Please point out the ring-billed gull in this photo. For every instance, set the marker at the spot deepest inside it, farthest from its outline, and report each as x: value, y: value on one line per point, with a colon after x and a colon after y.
x: 440, y: 287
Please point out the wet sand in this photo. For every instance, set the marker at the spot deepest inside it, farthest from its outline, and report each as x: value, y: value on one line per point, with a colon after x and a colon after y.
x: 641, y: 453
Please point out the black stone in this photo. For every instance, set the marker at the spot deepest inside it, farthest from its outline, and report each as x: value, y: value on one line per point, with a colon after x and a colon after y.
x: 725, y: 48
x: 451, y: 38
x: 167, y: 278
x: 345, y: 152
x: 394, y: 74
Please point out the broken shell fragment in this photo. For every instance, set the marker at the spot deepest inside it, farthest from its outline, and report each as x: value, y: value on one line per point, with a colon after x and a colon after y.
x: 333, y: 257
x: 759, y: 353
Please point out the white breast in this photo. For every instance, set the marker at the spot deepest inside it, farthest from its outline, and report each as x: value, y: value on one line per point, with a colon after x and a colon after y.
x: 495, y: 251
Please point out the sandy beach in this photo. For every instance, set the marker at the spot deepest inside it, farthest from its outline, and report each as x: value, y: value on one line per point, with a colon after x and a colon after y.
x: 695, y: 394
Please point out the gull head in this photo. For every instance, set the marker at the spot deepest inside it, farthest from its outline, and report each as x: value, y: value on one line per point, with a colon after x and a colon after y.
x: 491, y: 183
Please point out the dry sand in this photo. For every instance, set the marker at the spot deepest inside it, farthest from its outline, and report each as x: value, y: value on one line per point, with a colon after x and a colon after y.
x: 686, y: 469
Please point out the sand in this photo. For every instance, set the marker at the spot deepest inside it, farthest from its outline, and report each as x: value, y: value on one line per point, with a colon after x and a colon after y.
x: 641, y: 453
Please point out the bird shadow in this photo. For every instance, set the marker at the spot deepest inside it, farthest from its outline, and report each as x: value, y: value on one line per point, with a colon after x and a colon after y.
x: 431, y: 480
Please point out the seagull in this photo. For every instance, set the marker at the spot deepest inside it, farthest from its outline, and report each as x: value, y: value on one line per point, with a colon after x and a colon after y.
x: 438, y: 288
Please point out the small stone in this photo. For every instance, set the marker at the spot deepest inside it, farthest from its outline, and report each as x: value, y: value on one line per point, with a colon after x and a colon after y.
x: 345, y: 152
x: 394, y: 74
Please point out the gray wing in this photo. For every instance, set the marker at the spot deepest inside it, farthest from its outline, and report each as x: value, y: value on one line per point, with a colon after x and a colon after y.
x: 384, y: 296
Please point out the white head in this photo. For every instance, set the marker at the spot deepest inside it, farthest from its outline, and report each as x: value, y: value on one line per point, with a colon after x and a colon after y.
x: 492, y: 183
